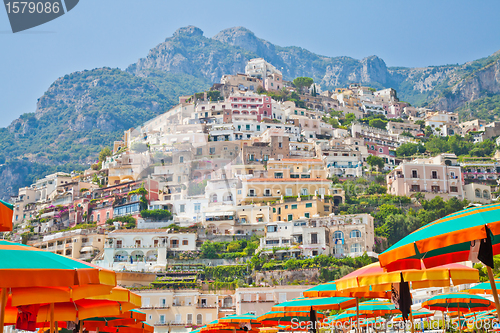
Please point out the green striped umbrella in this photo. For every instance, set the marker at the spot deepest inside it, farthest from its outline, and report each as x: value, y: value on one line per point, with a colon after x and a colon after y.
x: 324, y: 303
x: 461, y: 302
x: 287, y: 318
x: 421, y: 313
x: 243, y: 318
x: 375, y: 308
x: 484, y: 288
x: 447, y: 240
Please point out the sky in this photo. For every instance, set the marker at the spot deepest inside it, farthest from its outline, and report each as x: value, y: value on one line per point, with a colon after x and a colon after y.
x: 116, y: 33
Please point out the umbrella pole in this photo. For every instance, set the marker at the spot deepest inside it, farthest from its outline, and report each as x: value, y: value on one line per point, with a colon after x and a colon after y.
x: 2, y: 309
x: 357, y: 315
x: 459, y: 321
x: 51, y: 317
x: 411, y: 321
x: 494, y: 289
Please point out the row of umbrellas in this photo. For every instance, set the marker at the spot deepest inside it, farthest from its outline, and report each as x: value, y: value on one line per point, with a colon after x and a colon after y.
x: 40, y: 288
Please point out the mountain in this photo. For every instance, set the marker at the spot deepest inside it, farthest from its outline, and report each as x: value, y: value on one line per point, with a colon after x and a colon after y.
x: 82, y: 112
x: 189, y: 51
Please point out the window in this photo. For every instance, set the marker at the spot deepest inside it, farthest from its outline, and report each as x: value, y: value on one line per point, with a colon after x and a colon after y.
x: 181, y: 159
x: 355, y: 248
x: 107, y: 215
x: 278, y: 175
x: 288, y: 192
x: 303, y: 191
x: 435, y: 188
x: 162, y: 319
x: 272, y: 228
x: 309, y: 205
x: 282, y: 297
x: 415, y: 188
x: 197, y: 207
x: 414, y: 174
x: 305, y: 176
x: 189, y: 318
x: 453, y: 189
x: 258, y: 127
x: 182, y: 208
x: 178, y: 318
x: 294, y: 206
x: 290, y: 217
x: 486, y: 195
x: 251, y: 193
x: 199, y: 151
x: 434, y: 175
x: 212, y: 150
x: 326, y: 208
x: 478, y: 193
x: 314, y: 238
x: 267, y: 192
x: 355, y: 234
x: 280, y: 145
x: 199, y: 319
x: 185, y: 242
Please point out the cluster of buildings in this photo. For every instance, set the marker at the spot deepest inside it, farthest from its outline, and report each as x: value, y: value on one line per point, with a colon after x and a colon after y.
x: 237, y: 166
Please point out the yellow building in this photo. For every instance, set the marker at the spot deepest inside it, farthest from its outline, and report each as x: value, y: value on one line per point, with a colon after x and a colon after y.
x: 269, y: 189
x: 305, y: 207
x: 297, y: 168
x: 80, y: 244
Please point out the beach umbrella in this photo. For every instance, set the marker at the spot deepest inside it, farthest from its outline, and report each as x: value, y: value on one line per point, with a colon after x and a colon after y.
x: 484, y: 288
x: 329, y: 289
x: 460, y: 302
x: 374, y: 277
x: 375, y: 308
x: 241, y: 319
x: 119, y: 301
x: 6, y: 213
x: 421, y: 313
x: 129, y: 318
x: 322, y: 303
x: 287, y: 318
x: 26, y: 272
x: 472, y: 232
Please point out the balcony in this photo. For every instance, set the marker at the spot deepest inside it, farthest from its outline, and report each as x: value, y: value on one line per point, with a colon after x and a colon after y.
x: 161, y: 306
x: 204, y: 306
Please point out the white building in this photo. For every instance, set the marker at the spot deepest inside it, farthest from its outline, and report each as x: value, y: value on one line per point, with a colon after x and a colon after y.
x: 143, y: 249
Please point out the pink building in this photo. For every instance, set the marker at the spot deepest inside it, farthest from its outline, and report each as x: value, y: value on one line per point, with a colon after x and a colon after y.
x: 438, y: 176
x: 261, y: 106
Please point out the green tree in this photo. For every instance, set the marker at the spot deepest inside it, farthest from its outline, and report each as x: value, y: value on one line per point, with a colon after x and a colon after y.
x: 209, y: 250
x: 105, y: 152
x: 377, y: 123
x: 409, y: 149
x: 375, y: 161
x: 428, y: 131
x: 348, y: 119
x: 301, y: 82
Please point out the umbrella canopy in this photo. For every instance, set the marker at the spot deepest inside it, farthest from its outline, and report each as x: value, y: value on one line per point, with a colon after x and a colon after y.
x: 330, y: 290
x: 274, y: 318
x: 461, y: 302
x: 237, y: 319
x: 373, y: 276
x: 324, y: 303
x: 444, y: 241
x: 375, y: 308
x: 128, y: 318
x: 484, y: 288
x: 6, y: 212
x: 344, y: 316
x: 25, y: 266
x: 421, y: 313
x: 115, y: 304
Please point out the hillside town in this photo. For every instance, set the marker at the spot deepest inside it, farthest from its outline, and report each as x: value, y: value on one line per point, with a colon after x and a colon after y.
x: 242, y: 196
